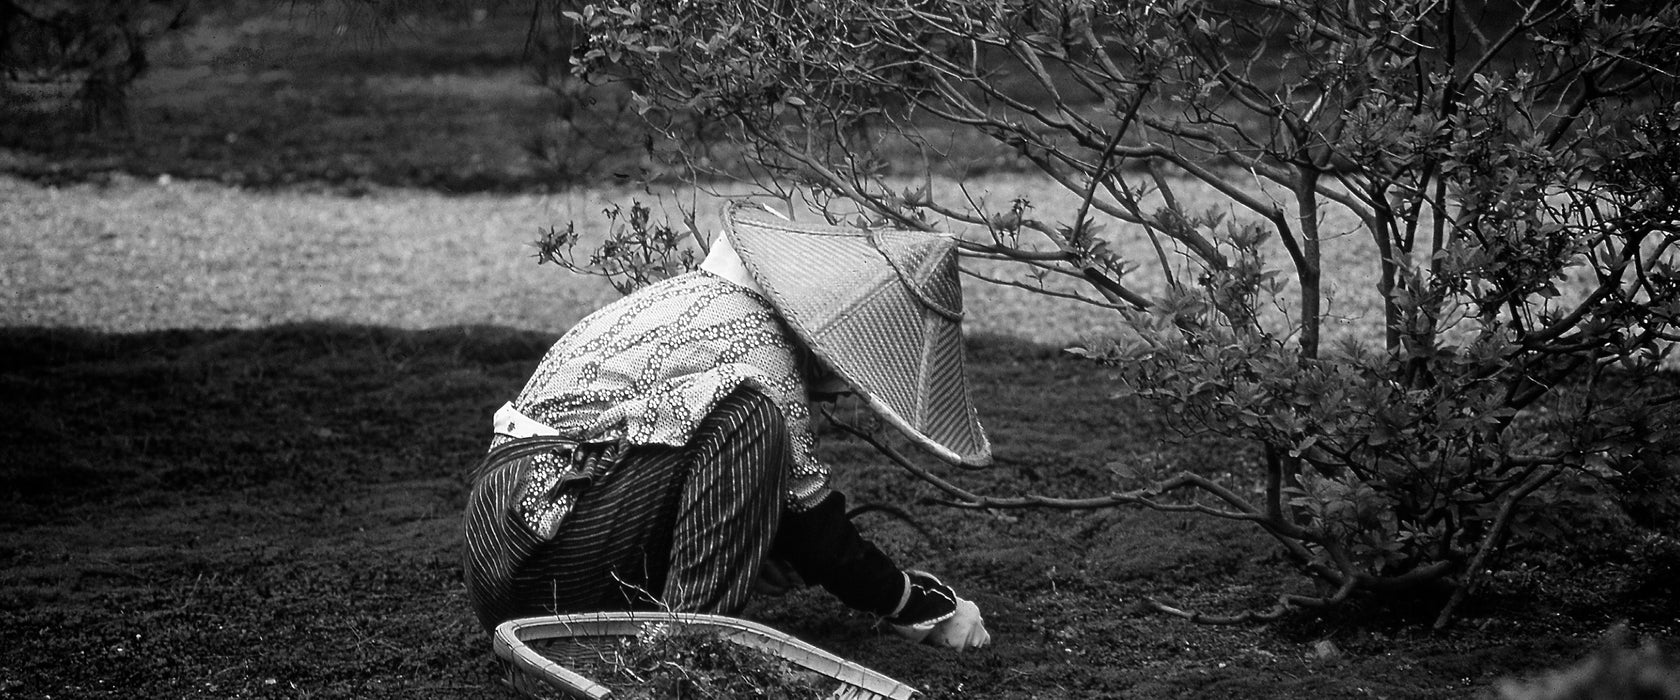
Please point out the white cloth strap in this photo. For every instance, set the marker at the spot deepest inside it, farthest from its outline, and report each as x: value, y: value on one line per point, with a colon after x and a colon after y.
x: 724, y: 262
x: 511, y: 423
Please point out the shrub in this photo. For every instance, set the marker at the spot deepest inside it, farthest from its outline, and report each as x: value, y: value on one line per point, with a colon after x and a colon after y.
x: 1511, y: 166
x: 602, y: 127
x: 101, y: 46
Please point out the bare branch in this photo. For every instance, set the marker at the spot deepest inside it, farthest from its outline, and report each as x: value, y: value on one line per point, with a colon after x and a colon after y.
x: 1285, y: 603
x: 1137, y: 497
x: 1047, y: 292
x: 1286, y: 534
x: 1496, y: 534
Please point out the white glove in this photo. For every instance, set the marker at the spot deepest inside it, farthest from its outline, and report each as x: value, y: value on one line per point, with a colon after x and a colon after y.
x: 964, y: 630
x: 931, y: 613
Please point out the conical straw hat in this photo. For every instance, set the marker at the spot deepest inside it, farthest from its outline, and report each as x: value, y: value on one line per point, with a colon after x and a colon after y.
x: 883, y: 308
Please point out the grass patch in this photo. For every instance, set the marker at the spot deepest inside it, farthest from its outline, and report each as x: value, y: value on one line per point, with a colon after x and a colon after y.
x: 132, y: 255
x: 278, y: 98
x: 258, y: 96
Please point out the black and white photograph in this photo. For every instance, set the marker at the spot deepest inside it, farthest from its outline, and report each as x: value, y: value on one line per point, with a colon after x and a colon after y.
x: 840, y: 349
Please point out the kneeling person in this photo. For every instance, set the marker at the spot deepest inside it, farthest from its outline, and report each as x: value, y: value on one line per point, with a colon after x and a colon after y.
x: 661, y: 453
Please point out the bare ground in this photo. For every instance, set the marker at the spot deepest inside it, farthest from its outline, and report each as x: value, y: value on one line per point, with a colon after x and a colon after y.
x: 273, y: 513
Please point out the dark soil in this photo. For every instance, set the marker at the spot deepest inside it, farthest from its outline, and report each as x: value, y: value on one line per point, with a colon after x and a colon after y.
x: 273, y: 513
x: 664, y: 662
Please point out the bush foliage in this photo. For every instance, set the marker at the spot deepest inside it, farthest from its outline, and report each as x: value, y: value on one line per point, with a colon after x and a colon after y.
x: 1511, y: 163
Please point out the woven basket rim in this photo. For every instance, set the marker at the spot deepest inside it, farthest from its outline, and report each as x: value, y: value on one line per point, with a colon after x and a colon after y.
x: 512, y: 641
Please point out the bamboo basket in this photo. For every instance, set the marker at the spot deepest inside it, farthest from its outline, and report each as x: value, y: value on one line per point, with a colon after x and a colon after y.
x: 539, y: 649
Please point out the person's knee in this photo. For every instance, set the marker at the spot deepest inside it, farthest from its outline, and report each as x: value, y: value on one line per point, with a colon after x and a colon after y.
x: 747, y: 431
x: 760, y: 409
x: 748, y: 410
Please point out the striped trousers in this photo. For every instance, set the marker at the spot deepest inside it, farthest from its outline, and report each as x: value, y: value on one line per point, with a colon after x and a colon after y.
x: 679, y: 528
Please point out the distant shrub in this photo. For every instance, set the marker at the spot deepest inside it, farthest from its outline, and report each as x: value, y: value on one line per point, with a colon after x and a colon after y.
x: 602, y: 129
x: 102, y: 47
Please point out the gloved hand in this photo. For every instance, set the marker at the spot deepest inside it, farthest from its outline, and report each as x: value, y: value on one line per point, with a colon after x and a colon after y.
x: 964, y: 630
x: 931, y: 613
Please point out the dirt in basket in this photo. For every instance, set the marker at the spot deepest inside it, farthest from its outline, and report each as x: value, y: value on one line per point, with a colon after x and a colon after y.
x: 666, y: 662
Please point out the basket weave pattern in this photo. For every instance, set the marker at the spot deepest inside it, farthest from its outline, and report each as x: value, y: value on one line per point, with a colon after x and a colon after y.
x: 543, y: 652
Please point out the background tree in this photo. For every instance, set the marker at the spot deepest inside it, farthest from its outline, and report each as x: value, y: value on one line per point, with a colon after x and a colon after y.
x: 1511, y: 167
x: 101, y: 46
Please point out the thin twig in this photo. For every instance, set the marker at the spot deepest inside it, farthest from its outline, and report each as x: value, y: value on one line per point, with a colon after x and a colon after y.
x: 1285, y: 603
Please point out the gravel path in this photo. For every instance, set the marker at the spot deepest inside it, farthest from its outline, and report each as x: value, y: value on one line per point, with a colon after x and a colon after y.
x: 136, y: 255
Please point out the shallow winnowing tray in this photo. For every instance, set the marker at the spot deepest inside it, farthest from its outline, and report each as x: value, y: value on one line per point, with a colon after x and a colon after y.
x: 534, y: 648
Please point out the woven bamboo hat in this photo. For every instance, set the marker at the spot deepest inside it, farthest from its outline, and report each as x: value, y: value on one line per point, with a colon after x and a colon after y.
x: 883, y: 308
